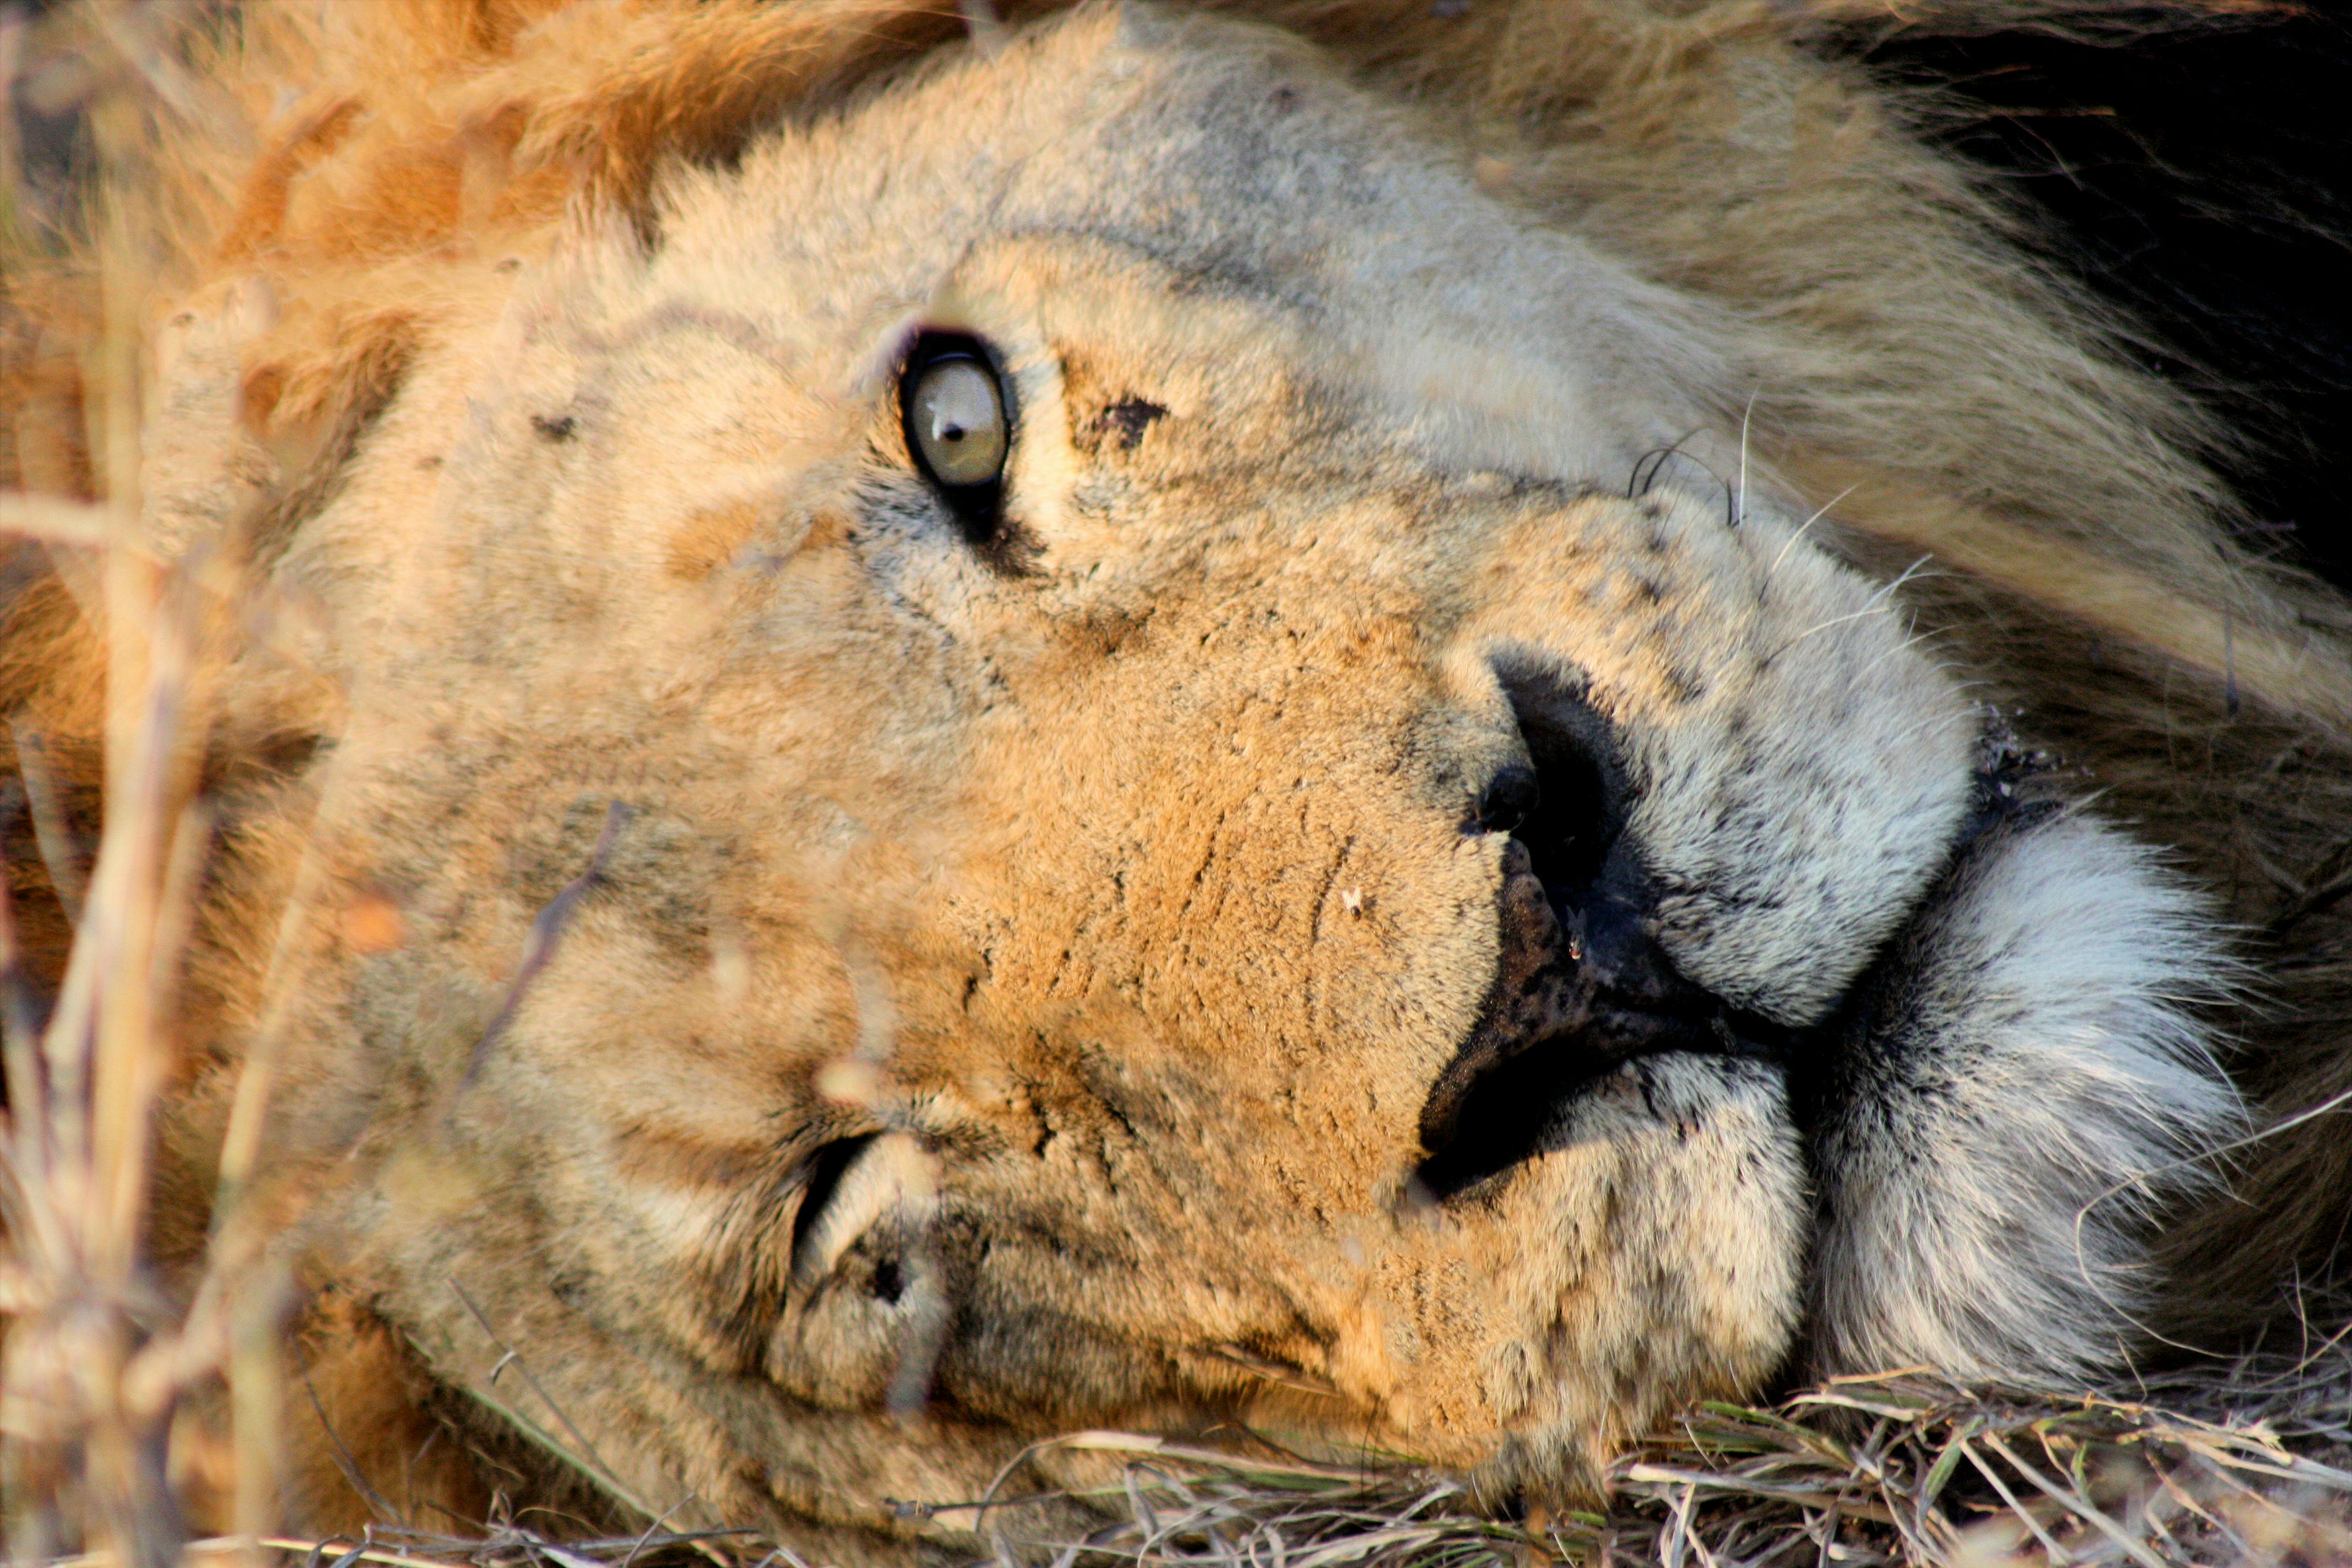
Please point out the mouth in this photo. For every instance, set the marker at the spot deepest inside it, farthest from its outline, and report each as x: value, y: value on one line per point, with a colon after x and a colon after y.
x: 1582, y: 991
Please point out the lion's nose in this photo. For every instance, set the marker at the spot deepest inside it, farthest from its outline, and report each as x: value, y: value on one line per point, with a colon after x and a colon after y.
x: 1582, y: 983
x: 1510, y: 798
x: 1606, y: 927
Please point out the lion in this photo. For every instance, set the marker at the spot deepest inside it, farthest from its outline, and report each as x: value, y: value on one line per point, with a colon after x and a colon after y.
x: 1427, y: 728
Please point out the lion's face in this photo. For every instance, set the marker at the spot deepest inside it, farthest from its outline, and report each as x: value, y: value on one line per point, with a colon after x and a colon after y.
x: 1303, y: 902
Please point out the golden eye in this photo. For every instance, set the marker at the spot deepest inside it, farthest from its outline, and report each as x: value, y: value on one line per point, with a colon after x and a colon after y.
x: 955, y: 421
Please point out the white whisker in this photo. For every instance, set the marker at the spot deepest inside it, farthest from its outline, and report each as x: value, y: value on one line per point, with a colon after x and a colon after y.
x: 1875, y: 606
x: 1739, y: 496
x: 1801, y: 527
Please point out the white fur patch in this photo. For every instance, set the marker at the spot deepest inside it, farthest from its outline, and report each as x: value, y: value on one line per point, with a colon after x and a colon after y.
x: 2022, y: 1094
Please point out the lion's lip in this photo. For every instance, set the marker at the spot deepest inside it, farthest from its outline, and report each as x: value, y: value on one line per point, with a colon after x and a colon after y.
x: 1583, y: 965
x: 1500, y: 1118
x: 1500, y: 1103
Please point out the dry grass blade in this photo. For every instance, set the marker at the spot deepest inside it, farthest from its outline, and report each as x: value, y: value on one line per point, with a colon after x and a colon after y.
x: 82, y: 1439
x: 1898, y: 1471
x: 54, y: 520
x: 582, y: 1457
x: 97, y: 1363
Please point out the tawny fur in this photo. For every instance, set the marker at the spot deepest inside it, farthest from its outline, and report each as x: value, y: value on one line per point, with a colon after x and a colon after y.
x: 1122, y: 903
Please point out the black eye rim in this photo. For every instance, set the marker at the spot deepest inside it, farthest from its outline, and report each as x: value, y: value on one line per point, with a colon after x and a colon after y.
x: 978, y: 508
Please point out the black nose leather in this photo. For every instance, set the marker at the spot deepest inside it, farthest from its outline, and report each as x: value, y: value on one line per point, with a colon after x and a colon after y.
x: 1610, y: 943
x: 1510, y: 797
x: 1582, y: 984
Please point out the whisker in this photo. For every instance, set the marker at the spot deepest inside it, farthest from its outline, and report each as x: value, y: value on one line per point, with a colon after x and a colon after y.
x: 1739, y: 499
x: 1808, y: 524
x: 1875, y: 606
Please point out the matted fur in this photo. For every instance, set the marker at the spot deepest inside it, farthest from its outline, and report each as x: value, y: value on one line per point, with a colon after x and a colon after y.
x: 1088, y: 926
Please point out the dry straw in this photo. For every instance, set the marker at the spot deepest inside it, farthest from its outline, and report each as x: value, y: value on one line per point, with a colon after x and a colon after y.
x: 104, y: 1366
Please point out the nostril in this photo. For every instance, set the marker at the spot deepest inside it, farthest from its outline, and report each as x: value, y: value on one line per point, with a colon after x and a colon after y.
x: 1510, y: 797
x: 1576, y: 806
